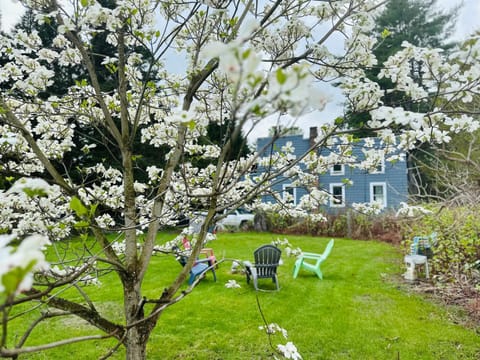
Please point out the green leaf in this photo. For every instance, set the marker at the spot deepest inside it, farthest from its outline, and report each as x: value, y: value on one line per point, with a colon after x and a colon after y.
x: 385, y: 33
x: 84, y: 3
x: 93, y: 210
x: 257, y: 110
x: 81, y: 224
x: 77, y: 206
x: 10, y: 282
x: 34, y: 192
x: 81, y: 83
x: 191, y: 125
x: 14, y: 277
x: 150, y: 84
x: 281, y: 77
x: 112, y: 68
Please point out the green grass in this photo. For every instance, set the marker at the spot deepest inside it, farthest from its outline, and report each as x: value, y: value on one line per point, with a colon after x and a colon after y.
x: 361, y: 310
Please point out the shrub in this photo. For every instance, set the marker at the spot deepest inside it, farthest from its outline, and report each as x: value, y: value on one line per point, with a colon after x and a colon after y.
x: 457, y: 249
x: 384, y: 227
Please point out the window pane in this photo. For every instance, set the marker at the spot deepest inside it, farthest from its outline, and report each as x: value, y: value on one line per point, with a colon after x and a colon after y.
x: 378, y: 195
x: 337, y: 192
x: 289, y: 194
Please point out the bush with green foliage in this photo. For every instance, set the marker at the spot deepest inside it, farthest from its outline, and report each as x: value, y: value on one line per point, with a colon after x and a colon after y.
x: 456, y: 252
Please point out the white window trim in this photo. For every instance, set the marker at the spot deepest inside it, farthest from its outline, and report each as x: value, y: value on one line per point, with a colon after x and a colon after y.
x: 289, y: 186
x: 332, y: 203
x: 338, y: 173
x: 382, y: 184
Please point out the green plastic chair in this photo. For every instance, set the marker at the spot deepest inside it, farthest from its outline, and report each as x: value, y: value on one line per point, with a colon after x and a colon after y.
x: 302, y: 262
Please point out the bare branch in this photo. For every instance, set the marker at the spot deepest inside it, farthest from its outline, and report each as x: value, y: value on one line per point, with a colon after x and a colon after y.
x: 26, y: 350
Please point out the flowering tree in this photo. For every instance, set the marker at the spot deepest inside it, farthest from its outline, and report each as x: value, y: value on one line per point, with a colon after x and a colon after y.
x: 200, y: 62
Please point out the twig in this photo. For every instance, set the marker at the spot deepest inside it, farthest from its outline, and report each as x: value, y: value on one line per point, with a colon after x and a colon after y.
x: 265, y: 322
x: 11, y: 353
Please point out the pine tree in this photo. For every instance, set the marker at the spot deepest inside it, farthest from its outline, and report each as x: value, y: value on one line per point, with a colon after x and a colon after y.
x: 67, y: 76
x: 417, y: 22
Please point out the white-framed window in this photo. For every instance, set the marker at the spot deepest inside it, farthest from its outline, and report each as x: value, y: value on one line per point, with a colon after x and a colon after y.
x: 378, y: 193
x: 337, y: 195
x: 289, y: 194
x: 337, y: 169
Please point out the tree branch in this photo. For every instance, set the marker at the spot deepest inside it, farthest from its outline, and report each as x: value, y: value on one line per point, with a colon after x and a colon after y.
x: 15, y: 352
x: 13, y: 121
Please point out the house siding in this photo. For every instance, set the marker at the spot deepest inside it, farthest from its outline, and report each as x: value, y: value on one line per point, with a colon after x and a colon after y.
x: 301, y: 146
x: 394, y: 176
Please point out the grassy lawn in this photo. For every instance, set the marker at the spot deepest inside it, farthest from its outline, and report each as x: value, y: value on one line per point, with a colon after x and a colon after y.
x: 360, y: 310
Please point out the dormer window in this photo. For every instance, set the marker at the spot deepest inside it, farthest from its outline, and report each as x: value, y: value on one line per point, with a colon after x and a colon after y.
x: 337, y: 169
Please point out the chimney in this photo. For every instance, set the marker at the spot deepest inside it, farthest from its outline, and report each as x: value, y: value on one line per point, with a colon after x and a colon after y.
x: 313, y: 135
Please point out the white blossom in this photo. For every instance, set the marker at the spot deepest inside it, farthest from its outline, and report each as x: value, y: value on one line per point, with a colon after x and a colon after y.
x: 32, y: 184
x: 289, y: 350
x: 26, y: 257
x: 411, y: 210
x: 273, y: 328
x: 232, y: 284
x: 373, y: 208
x: 224, y: 68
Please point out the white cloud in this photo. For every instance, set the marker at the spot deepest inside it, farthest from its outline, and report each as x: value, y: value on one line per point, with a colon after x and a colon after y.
x: 11, y: 11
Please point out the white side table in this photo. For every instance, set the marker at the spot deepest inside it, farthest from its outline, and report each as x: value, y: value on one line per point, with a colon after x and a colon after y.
x: 411, y: 261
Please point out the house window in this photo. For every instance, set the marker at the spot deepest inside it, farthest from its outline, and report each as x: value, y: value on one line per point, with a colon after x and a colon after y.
x: 378, y: 193
x: 289, y: 194
x: 337, y: 192
x: 337, y: 169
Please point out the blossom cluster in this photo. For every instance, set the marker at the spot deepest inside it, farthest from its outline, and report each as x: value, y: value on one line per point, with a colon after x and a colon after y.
x: 127, y: 148
x: 289, y: 350
x: 18, y: 263
x: 232, y: 284
x: 289, y: 249
x: 48, y: 210
x: 373, y: 208
x: 407, y: 210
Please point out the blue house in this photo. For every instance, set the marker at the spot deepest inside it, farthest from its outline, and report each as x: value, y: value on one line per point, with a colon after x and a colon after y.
x: 385, y: 181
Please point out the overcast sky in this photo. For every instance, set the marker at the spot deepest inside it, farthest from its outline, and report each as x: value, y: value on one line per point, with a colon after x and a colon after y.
x: 468, y: 22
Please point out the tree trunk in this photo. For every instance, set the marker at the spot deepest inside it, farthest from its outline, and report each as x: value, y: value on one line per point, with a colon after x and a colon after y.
x: 137, y: 336
x: 260, y: 222
x: 136, y: 343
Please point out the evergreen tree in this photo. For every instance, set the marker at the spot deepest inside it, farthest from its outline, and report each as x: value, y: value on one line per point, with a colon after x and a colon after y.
x: 417, y: 22
x: 67, y: 76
